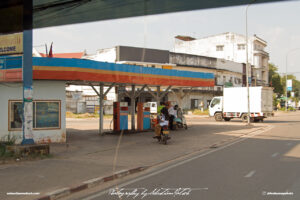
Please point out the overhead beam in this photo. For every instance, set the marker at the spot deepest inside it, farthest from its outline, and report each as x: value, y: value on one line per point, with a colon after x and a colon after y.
x: 108, y: 89
x: 151, y: 92
x: 165, y: 92
x: 99, y: 95
x: 89, y: 10
x: 139, y: 92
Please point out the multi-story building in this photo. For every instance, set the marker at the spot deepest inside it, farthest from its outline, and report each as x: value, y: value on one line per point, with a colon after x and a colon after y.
x: 232, y: 47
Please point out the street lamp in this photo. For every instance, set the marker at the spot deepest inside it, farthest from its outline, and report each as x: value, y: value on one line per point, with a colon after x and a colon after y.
x: 286, y: 67
x: 247, y: 64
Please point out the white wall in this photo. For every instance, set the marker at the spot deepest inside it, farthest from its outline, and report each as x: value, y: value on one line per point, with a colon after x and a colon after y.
x: 42, y: 90
x: 104, y: 55
x: 207, y: 47
x: 185, y: 103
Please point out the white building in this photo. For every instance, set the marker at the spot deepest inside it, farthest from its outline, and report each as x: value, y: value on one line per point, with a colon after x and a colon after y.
x: 49, y: 108
x: 229, y: 46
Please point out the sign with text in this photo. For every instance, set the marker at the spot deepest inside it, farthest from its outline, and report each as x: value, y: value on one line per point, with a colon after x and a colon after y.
x: 11, y: 44
x: 289, y: 85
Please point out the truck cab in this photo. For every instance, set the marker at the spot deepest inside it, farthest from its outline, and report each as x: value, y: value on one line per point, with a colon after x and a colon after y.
x: 215, y: 107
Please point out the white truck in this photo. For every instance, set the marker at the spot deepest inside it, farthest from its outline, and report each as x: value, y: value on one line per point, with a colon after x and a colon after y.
x: 234, y: 104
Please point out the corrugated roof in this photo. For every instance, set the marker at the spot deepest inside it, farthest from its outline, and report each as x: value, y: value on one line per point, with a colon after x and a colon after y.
x: 65, y: 55
x: 185, y: 38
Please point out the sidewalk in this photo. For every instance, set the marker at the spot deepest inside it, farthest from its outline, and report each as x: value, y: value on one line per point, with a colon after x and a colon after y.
x: 88, y: 155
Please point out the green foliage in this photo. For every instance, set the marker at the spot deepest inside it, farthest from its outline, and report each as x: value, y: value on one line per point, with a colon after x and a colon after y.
x: 5, y: 141
x: 291, y: 109
x: 199, y: 112
x: 275, y: 80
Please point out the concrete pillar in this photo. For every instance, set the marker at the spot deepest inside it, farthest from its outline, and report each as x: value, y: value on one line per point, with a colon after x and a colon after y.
x: 27, y: 73
x: 132, y: 103
x: 101, y: 109
x: 158, y: 96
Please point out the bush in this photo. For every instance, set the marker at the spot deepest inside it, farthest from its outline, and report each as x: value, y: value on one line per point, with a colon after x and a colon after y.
x: 199, y: 112
x: 6, y: 141
x: 291, y: 109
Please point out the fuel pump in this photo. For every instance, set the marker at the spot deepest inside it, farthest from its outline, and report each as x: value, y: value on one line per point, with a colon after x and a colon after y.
x: 120, y: 116
x: 143, y: 116
x: 146, y: 116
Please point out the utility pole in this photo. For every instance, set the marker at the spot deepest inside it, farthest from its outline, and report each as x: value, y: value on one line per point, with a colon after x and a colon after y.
x: 286, y: 69
x: 27, y: 73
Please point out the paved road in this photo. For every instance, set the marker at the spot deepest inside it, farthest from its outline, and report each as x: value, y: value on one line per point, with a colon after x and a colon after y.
x: 266, y: 166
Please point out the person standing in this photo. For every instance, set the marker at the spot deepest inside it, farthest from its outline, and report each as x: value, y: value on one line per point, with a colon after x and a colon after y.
x: 172, y: 116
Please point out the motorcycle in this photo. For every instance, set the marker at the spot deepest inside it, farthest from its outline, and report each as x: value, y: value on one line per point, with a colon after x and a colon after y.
x: 180, y: 123
x: 161, y: 130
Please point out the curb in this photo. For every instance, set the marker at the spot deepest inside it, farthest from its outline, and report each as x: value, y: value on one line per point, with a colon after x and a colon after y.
x: 63, y: 192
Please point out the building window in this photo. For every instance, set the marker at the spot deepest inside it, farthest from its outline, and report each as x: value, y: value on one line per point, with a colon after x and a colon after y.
x: 219, y: 47
x: 241, y: 46
x: 46, y: 115
x: 15, y: 116
x: 194, y: 103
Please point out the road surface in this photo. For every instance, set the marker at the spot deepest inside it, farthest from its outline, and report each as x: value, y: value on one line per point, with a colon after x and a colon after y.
x: 265, y: 166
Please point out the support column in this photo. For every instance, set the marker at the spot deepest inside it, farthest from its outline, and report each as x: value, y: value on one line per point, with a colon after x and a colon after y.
x: 101, y: 109
x: 27, y: 74
x: 158, y: 96
x: 132, y: 103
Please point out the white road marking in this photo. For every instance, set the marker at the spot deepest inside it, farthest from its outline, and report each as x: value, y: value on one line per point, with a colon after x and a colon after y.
x: 274, y: 155
x: 180, y: 163
x: 250, y: 174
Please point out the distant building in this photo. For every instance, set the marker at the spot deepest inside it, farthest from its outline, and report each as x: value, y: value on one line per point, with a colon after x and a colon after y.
x: 227, y: 73
x: 78, y: 55
x: 232, y: 47
x: 83, y: 99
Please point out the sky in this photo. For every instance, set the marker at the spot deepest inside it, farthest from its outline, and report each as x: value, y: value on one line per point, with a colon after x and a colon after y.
x: 276, y: 23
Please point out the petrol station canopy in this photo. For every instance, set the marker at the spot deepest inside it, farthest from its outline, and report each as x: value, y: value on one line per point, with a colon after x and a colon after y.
x: 88, y: 71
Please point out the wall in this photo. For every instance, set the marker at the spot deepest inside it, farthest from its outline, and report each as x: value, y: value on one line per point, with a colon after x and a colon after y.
x: 185, y: 103
x: 43, y: 90
x: 192, y: 60
x: 104, y: 55
x: 207, y: 47
x: 142, y: 54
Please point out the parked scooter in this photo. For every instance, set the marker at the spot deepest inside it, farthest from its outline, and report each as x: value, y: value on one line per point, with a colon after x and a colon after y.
x: 180, y: 121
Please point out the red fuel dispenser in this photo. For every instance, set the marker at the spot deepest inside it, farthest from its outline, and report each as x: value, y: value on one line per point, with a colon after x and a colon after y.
x: 120, y: 116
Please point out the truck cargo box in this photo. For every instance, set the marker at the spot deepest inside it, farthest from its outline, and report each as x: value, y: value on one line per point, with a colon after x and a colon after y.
x: 235, y: 99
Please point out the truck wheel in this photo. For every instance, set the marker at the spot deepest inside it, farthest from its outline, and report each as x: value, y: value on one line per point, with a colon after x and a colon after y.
x: 218, y: 117
x: 244, y: 117
x: 227, y: 119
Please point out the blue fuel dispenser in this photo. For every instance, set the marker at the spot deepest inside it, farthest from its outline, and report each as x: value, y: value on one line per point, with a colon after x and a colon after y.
x: 143, y: 116
x: 120, y: 116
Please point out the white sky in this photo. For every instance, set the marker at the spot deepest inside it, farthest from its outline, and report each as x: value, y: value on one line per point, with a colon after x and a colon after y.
x: 276, y: 23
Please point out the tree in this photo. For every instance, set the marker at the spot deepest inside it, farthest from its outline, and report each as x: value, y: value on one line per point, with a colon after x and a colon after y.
x: 275, y: 80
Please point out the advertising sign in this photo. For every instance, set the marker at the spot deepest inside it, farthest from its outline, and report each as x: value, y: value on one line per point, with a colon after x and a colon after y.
x: 289, y: 85
x: 11, y: 44
x: 292, y: 94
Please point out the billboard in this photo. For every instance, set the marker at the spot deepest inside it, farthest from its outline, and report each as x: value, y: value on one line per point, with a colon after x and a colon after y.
x: 11, y: 68
x: 11, y: 44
